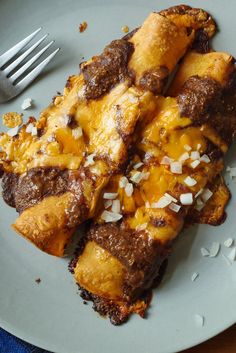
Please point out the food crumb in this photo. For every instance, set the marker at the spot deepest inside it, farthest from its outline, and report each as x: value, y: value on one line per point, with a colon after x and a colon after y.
x: 199, y: 320
x: 83, y: 26
x: 85, y: 303
x: 38, y: 280
x: 27, y: 103
x: 12, y: 119
x: 125, y: 29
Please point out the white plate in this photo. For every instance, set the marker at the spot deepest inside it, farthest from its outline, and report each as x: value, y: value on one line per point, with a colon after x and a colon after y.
x: 51, y: 314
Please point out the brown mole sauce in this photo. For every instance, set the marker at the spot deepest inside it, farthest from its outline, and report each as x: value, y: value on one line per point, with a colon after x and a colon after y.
x: 107, y: 69
x: 28, y: 190
x: 203, y: 100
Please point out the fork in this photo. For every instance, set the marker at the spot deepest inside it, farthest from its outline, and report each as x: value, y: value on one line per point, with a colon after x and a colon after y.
x: 9, y: 87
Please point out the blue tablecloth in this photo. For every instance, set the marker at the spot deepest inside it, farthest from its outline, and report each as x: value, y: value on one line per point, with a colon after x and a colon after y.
x: 12, y: 344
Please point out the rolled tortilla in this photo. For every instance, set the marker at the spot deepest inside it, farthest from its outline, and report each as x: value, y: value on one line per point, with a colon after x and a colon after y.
x: 143, y: 239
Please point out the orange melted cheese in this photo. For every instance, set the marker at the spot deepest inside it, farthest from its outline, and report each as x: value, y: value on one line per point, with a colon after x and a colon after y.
x: 166, y: 135
x: 99, y: 120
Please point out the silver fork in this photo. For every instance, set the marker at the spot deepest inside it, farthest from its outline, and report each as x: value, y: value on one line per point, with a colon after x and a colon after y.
x: 9, y: 88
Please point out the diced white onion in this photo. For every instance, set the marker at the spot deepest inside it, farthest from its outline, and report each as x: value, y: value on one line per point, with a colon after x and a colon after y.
x: 136, y: 177
x: 34, y: 131
x: 214, y: 250
x: 166, y: 160
x: 26, y: 103
x: 199, y: 320
x: 186, y: 199
x: 108, y: 216
x: 176, y: 167
x: 195, y: 155
x: 195, y: 164
x: 77, y: 133
x: 13, y: 132
x: 129, y: 189
x: 204, y: 158
x: 107, y: 204
x: 174, y: 207
x: 206, y: 195
x: 199, y: 146
x: 187, y: 147
x: 205, y: 252
x: 138, y: 165
x: 228, y: 243
x: 194, y: 276
x: 123, y: 182
x: 29, y: 128
x: 116, y: 206
x: 161, y: 203
x: 170, y: 197
x: 110, y: 195
x: 89, y: 160
x: 147, y: 204
x: 190, y: 181
x: 184, y: 157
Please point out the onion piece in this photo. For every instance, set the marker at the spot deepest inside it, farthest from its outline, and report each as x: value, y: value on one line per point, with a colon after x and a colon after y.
x: 170, y: 197
x: 186, y: 199
x: 27, y: 103
x: 108, y: 216
x: 228, y: 243
x: 184, y: 157
x: 174, y: 207
x: 138, y: 165
x: 190, y: 181
x: 29, y: 128
x: 204, y: 158
x: 194, y: 276
x: 115, y: 206
x: 206, y: 195
x: 195, y: 155
x: 129, y: 189
x: 199, y: 320
x: 187, y: 147
x: 214, y: 250
x: 34, y: 131
x: 107, y: 204
x: 195, y: 164
x: 161, y: 203
x: 123, y: 182
x: 176, y: 167
x: 110, y: 195
x: 13, y: 132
